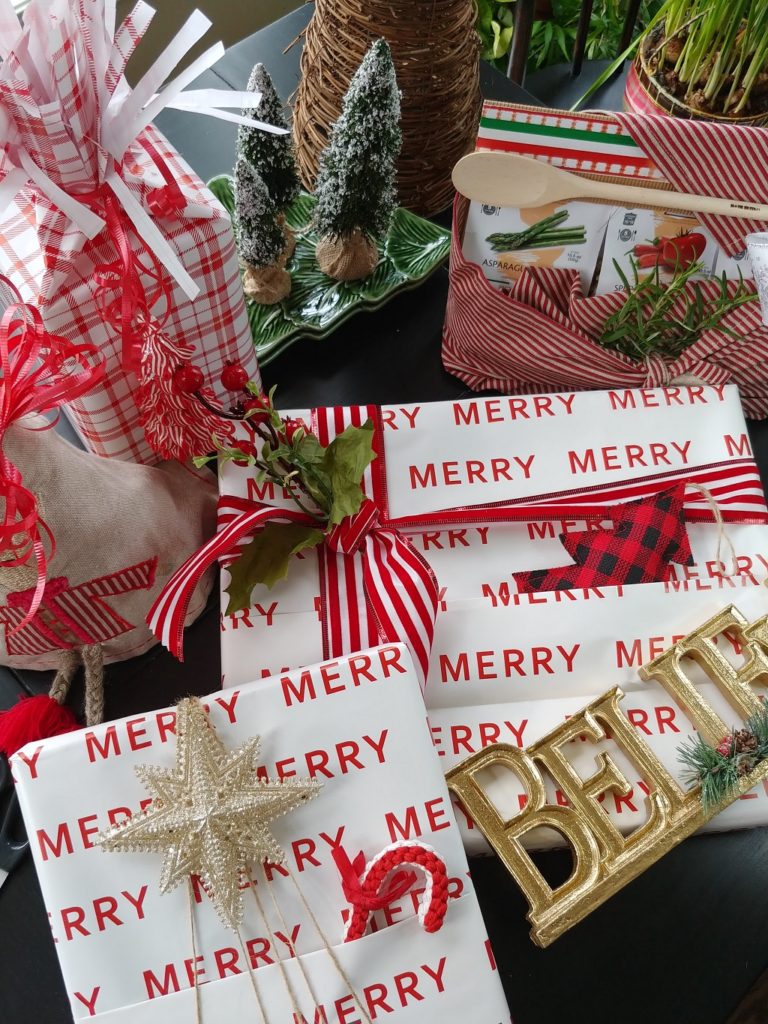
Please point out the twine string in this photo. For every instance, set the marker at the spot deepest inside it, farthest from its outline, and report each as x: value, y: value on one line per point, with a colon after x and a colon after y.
x: 252, y: 976
x: 91, y: 657
x: 281, y: 965
x: 722, y: 533
x: 299, y: 960
x: 330, y: 950
x: 193, y: 935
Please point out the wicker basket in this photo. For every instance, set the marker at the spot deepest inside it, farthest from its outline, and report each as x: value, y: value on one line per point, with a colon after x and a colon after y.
x: 436, y: 53
x: 644, y: 95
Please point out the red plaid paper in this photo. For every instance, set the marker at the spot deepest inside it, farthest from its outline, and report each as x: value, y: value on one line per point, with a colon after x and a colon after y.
x: 43, y: 252
x: 647, y: 535
x: 49, y: 257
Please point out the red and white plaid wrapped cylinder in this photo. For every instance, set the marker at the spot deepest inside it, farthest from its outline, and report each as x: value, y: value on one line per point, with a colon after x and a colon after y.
x: 542, y: 335
x: 106, y: 228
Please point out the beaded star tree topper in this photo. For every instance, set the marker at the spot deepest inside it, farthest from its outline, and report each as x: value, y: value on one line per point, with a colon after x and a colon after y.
x: 210, y: 814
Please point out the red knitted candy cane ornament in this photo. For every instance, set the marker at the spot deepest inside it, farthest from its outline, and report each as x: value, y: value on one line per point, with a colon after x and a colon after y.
x: 367, y: 891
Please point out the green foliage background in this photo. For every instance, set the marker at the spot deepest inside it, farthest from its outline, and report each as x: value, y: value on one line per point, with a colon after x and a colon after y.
x: 552, y: 41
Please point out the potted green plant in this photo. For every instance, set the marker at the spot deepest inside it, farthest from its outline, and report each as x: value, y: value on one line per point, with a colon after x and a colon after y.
x: 704, y: 59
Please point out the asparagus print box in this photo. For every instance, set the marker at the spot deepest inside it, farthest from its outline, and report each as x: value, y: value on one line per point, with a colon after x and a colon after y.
x: 125, y: 948
x: 544, y: 333
x: 483, y: 488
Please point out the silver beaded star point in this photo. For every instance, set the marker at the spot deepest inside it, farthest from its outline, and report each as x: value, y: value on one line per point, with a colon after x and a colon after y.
x: 210, y: 814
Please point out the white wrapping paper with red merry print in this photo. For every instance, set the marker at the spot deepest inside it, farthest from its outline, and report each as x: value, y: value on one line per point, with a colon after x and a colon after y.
x: 511, y: 667
x: 125, y: 949
x: 483, y: 487
x: 105, y: 227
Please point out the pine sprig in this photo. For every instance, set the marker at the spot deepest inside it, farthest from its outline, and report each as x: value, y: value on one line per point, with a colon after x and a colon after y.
x: 718, y: 770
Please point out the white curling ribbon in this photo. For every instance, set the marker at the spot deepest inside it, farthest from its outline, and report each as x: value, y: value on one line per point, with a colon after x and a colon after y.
x: 151, y: 235
x: 110, y: 18
x: 121, y: 120
x: 87, y: 221
x: 126, y: 114
x: 10, y: 186
x: 10, y: 28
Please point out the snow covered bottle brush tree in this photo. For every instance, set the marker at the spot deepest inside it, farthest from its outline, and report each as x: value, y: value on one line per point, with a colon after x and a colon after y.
x: 356, y: 183
x: 261, y: 243
x: 271, y: 156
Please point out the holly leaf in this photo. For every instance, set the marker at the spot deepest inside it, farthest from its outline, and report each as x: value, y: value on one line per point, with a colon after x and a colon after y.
x: 266, y: 560
x: 346, y: 459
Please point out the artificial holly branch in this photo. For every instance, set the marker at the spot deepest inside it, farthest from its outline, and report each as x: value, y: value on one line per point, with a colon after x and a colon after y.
x: 719, y: 769
x: 322, y: 481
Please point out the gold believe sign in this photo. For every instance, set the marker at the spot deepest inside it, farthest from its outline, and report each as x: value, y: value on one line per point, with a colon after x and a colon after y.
x: 603, y: 859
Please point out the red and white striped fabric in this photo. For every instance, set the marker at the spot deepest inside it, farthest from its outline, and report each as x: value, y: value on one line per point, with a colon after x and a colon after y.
x: 73, y: 615
x: 540, y: 337
x: 375, y: 587
x: 710, y: 159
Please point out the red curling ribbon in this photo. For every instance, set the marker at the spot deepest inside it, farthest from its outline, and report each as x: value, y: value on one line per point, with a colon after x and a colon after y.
x: 166, y: 201
x: 38, y: 372
x: 351, y: 872
x: 130, y: 312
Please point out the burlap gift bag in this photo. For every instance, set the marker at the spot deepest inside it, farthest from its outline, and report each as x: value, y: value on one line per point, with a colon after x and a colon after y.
x: 118, y: 532
x: 85, y: 542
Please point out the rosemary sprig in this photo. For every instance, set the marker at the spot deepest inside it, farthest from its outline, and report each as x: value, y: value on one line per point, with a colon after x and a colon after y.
x: 663, y: 317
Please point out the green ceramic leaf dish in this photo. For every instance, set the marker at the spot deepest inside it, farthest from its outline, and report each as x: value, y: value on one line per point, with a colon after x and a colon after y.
x: 412, y: 250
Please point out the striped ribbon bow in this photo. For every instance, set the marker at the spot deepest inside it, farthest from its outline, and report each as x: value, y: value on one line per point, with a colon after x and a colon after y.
x: 374, y: 586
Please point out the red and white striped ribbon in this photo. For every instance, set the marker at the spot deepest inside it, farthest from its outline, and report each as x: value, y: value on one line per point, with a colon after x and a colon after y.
x: 167, y: 614
x: 385, y: 591
x: 375, y: 588
x: 708, y: 159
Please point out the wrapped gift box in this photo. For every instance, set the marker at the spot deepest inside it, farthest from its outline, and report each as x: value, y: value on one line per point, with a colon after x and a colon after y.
x: 111, y: 233
x: 125, y: 949
x: 484, y: 487
x: 510, y: 672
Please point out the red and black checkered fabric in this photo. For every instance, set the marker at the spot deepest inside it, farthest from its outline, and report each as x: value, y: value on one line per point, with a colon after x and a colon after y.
x: 646, y: 536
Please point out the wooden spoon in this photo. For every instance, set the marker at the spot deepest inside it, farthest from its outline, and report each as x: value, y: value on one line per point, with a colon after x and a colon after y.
x: 504, y: 179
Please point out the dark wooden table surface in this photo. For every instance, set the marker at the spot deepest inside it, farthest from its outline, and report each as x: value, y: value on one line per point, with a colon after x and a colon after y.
x: 683, y: 944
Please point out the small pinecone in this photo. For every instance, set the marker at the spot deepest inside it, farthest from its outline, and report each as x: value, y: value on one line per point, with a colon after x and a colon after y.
x: 744, y: 741
x: 745, y: 765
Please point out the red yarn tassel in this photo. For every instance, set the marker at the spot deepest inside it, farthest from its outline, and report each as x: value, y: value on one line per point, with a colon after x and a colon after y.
x: 33, y: 718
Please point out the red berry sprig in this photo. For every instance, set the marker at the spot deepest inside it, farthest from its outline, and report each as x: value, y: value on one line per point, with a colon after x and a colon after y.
x: 234, y: 377
x: 188, y: 378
